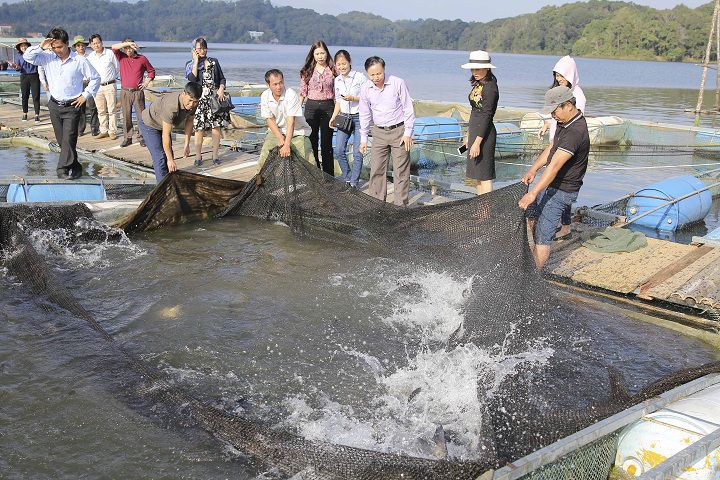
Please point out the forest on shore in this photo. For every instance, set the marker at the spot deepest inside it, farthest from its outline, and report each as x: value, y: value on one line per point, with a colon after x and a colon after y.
x: 598, y: 28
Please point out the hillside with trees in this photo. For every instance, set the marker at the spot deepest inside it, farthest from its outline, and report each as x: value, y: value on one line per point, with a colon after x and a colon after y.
x: 598, y: 28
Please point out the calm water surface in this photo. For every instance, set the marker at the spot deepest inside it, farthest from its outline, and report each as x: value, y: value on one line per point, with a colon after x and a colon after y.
x: 654, y: 91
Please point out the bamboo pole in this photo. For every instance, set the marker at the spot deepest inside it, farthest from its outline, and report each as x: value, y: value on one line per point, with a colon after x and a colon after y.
x: 717, y: 59
x: 705, y: 63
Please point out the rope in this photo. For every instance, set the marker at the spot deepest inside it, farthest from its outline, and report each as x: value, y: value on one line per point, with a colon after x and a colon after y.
x: 650, y: 167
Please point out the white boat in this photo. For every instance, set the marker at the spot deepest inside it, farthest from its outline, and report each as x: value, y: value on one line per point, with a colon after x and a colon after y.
x: 608, y: 130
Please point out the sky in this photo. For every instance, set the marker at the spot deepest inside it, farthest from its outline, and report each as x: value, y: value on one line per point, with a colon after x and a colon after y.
x: 467, y: 10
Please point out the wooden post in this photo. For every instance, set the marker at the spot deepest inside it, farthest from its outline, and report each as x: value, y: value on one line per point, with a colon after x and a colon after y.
x: 705, y: 63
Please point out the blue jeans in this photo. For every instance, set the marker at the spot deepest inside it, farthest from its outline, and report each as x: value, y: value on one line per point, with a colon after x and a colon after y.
x: 153, y: 142
x: 341, y: 141
x: 547, y: 211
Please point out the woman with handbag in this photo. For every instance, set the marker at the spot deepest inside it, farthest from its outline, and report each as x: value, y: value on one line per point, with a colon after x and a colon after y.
x: 480, y: 143
x: 346, y: 116
x: 210, y: 114
x: 317, y: 82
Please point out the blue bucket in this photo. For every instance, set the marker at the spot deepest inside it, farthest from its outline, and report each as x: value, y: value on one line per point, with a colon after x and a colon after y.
x: 670, y: 217
x: 55, y: 192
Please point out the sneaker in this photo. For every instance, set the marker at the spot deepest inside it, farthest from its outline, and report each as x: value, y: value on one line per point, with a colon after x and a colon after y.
x: 216, y: 161
x: 112, y: 136
x: 37, y: 118
x: 126, y: 143
x: 95, y: 134
x: 142, y: 142
x: 198, y: 161
x: 102, y: 135
x: 24, y: 117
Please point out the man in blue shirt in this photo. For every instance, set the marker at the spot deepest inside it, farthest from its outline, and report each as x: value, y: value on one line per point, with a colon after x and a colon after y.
x: 65, y: 71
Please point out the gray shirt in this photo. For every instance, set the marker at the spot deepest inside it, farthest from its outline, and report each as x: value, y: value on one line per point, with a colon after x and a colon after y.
x: 168, y: 110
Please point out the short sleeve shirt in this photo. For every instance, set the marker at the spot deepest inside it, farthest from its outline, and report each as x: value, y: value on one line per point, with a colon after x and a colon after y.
x: 349, y: 85
x: 289, y: 105
x: 166, y: 110
x: 571, y: 137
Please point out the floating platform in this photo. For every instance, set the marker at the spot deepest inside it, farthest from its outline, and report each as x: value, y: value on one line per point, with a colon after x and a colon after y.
x: 671, y: 273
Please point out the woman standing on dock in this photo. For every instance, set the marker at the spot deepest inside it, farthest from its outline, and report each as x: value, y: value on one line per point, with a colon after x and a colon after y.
x: 29, y: 80
x: 565, y: 74
x: 207, y: 72
x: 347, y: 94
x: 317, y: 91
x: 483, y: 97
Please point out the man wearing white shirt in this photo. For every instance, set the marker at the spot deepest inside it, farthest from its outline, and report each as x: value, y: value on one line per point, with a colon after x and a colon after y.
x: 106, y: 65
x: 65, y: 71
x: 282, y: 110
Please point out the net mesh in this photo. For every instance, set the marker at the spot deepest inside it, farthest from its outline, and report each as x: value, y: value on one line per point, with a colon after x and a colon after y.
x: 484, y: 234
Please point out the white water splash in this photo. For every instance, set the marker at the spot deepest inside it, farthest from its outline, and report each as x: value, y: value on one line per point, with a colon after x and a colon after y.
x: 69, y: 246
x: 438, y: 386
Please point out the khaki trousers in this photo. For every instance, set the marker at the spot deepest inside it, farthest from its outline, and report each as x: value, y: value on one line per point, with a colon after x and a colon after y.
x: 128, y: 99
x: 300, y: 145
x: 105, y: 104
x: 389, y: 143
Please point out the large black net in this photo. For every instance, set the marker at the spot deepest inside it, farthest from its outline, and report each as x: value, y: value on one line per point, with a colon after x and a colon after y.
x: 509, y: 308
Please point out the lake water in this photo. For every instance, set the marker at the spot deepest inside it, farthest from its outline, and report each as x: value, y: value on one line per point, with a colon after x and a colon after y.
x: 654, y: 91
x: 327, y: 340
x: 319, y: 338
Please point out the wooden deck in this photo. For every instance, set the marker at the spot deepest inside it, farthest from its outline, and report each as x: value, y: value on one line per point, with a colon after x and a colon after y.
x: 687, y: 275
x: 235, y: 165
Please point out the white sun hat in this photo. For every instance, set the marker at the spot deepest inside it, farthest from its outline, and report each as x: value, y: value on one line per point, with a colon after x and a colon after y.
x: 478, y: 59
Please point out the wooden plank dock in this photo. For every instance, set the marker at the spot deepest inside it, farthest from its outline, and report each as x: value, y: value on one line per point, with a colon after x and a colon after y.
x: 671, y: 273
x: 684, y: 275
x: 235, y: 164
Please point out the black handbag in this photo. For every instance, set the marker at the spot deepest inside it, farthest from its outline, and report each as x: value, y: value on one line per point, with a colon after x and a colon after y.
x: 220, y: 106
x: 344, y: 122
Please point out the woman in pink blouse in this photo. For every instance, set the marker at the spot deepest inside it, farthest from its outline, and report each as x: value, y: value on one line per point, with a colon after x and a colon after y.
x: 317, y: 90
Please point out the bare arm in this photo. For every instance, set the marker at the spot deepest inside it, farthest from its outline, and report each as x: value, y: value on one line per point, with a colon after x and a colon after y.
x: 558, y: 160
x: 167, y: 146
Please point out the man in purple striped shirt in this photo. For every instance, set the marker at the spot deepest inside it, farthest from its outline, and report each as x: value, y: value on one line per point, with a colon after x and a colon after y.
x: 385, y: 102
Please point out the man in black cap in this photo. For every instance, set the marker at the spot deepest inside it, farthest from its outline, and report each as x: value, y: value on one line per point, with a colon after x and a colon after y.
x: 566, y: 161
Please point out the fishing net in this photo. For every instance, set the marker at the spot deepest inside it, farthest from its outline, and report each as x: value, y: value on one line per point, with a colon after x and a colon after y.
x: 510, y: 306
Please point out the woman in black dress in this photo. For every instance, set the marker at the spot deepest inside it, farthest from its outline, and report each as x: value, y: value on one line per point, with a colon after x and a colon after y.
x: 480, y: 141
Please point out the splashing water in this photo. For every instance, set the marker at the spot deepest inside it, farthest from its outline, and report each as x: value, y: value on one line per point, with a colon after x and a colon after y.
x: 438, y: 385
x: 90, y: 244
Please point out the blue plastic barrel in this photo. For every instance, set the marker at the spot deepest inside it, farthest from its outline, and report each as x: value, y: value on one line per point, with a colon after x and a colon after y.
x: 437, y: 128
x: 55, y: 192
x: 246, y: 105
x: 509, y: 139
x: 674, y: 216
x: 708, y: 140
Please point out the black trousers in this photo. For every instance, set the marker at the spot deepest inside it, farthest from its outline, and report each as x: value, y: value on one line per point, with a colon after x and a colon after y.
x: 89, y: 107
x: 30, y: 82
x: 317, y: 114
x: 65, y: 120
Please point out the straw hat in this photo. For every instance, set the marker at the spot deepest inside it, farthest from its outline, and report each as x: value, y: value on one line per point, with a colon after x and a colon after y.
x: 478, y: 59
x: 21, y: 41
x: 79, y: 39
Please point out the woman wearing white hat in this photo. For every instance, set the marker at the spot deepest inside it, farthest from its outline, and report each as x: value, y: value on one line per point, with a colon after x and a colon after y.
x: 484, y: 95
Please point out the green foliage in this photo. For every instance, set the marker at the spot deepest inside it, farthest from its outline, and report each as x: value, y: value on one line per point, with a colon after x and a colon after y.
x: 598, y: 28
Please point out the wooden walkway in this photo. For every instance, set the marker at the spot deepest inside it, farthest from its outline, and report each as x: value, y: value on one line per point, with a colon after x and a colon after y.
x: 235, y: 165
x: 686, y: 275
